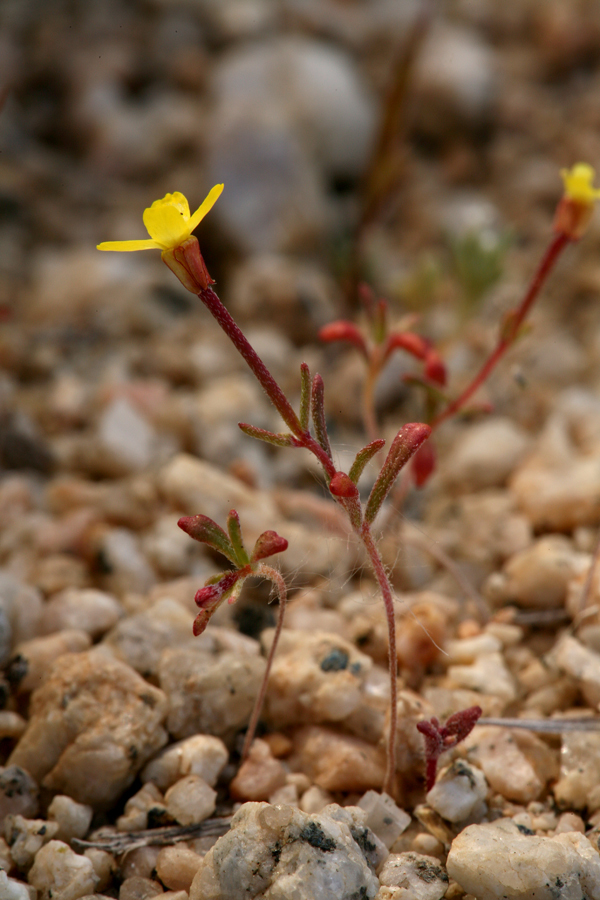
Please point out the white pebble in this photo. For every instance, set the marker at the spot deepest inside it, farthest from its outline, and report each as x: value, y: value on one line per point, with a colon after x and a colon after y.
x: 384, y: 817
x: 26, y: 837
x: 201, y: 754
x: 459, y: 790
x: 496, y: 861
x: 417, y: 877
x: 60, y: 874
x: 190, y: 800
x: 73, y: 818
x: 11, y: 889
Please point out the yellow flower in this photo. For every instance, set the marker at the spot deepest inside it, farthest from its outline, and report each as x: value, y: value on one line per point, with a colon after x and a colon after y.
x: 168, y: 223
x: 579, y: 182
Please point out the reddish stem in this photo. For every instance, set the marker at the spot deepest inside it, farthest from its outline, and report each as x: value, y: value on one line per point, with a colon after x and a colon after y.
x: 276, y: 578
x: 264, y: 377
x: 556, y: 246
x: 388, y: 600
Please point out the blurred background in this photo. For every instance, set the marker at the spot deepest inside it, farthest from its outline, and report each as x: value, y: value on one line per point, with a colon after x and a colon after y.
x: 416, y: 145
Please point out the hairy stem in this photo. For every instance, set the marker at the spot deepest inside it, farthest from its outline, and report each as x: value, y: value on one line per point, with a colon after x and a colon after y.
x: 277, y: 579
x: 264, y: 377
x: 388, y: 600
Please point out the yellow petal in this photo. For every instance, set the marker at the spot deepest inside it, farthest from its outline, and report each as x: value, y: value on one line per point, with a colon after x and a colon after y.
x: 166, y: 225
x: 126, y: 246
x: 211, y: 198
x: 579, y: 182
x: 178, y: 200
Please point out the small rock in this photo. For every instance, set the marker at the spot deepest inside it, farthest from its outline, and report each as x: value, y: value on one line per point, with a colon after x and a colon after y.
x: 84, y: 610
x: 24, y: 606
x: 279, y: 851
x: 139, y: 639
x: 509, y: 770
x: 11, y: 889
x: 580, y: 663
x: 135, y: 817
x: 259, y: 776
x: 73, y: 818
x: 314, y: 799
x: 485, y: 455
x: 105, y: 866
x: 190, y: 800
x: 177, y: 866
x: 496, y: 861
x: 455, y: 81
x: 136, y: 888
x: 18, y: 793
x: 201, y: 754
x: 384, y: 817
x: 315, y: 677
x: 560, y: 497
x: 25, y: 838
x: 578, y: 786
x: 126, y: 437
x: 538, y: 577
x: 127, y: 567
x: 93, y: 725
x: 487, y: 675
x: 33, y: 659
x: 208, y: 694
x: 191, y: 485
x: 415, y: 876
x: 458, y: 792
x: 338, y: 762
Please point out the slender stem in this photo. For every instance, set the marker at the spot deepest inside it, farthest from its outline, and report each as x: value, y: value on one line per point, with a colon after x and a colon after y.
x: 556, y: 246
x: 388, y: 600
x: 264, y: 377
x: 368, y: 404
x: 276, y: 578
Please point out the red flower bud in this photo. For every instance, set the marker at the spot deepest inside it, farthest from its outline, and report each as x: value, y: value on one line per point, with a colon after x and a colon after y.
x: 423, y: 463
x: 435, y: 370
x: 407, y: 340
x: 343, y: 330
x: 341, y: 485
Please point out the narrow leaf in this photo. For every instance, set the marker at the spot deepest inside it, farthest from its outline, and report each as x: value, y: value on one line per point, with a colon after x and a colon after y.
x: 304, y: 396
x: 363, y: 457
x: 235, y: 536
x: 204, y: 530
x: 268, y: 543
x: 318, y: 414
x: 269, y: 437
x: 405, y: 444
x: 344, y: 331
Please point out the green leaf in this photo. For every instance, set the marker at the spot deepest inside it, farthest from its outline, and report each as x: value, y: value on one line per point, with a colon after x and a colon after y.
x: 318, y: 414
x: 304, y: 396
x: 235, y: 536
x: 405, y: 444
x: 363, y: 457
x: 204, y: 530
x: 269, y: 437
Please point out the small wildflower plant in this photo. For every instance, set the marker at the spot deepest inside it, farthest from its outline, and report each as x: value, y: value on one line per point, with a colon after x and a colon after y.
x: 170, y: 226
x: 440, y: 738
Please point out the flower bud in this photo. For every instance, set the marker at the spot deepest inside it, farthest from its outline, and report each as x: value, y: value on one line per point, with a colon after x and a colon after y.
x: 341, y: 485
